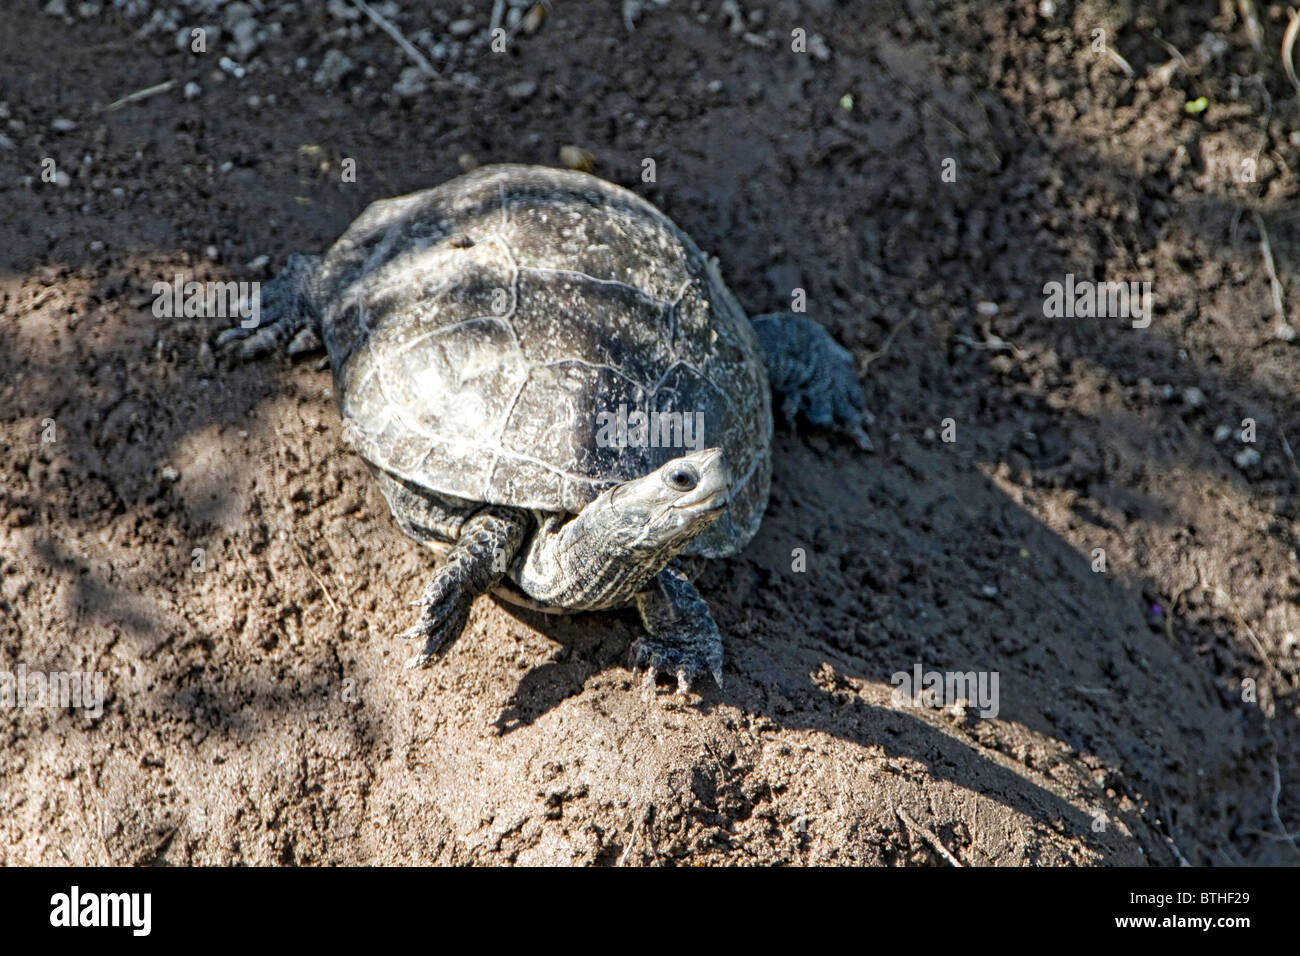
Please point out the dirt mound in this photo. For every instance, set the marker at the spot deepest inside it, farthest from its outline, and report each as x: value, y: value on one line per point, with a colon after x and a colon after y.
x: 201, y: 536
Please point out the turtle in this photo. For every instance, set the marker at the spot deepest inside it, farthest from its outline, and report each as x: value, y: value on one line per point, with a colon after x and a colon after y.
x: 557, y: 393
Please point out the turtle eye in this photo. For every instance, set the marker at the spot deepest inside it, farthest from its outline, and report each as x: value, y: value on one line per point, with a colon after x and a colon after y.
x: 681, y: 478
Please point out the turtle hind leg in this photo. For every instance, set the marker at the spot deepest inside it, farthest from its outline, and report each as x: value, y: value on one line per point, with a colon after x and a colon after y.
x: 813, y: 374
x: 287, y: 314
x: 476, y: 562
x: 683, y: 638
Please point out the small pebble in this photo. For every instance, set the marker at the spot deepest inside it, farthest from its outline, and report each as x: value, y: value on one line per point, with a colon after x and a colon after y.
x: 987, y: 308
x: 333, y: 67
x: 192, y: 90
x: 1246, y: 458
x: 575, y: 157
x: 730, y: 9
x: 522, y: 90
x: 244, y: 34
x: 63, y: 125
x: 1194, y: 397
x: 461, y: 28
x: 532, y: 21
x: 411, y: 82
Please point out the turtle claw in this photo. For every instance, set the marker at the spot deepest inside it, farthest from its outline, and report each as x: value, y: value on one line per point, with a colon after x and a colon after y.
x: 685, y: 663
x: 233, y: 335
x: 860, y: 437
x: 305, y: 341
x: 418, y: 661
x: 440, y: 623
x: 432, y: 644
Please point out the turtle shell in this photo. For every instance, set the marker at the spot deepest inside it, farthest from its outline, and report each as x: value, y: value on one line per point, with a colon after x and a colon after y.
x: 488, y: 337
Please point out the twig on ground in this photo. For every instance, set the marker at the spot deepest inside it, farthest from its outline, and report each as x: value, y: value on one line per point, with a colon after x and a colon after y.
x: 642, y: 822
x: 248, y: 573
x: 1173, y: 51
x: 1119, y: 61
x: 139, y: 95
x: 889, y: 340
x: 1241, y: 620
x: 993, y: 343
x: 1253, y: 28
x: 407, y: 46
x: 631, y: 10
x: 1290, y: 455
x: 312, y: 571
x: 1274, y: 282
x: 1288, y: 48
x: 1277, y: 793
x: 929, y: 837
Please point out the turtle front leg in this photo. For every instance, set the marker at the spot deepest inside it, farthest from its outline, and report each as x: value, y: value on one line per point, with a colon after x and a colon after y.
x: 683, y: 638
x: 813, y: 374
x: 477, y: 561
x: 287, y: 314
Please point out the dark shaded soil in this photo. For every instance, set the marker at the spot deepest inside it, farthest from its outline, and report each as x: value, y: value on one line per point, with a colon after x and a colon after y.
x: 257, y: 711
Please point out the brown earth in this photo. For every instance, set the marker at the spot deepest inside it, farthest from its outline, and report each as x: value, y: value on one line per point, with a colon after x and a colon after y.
x: 257, y: 712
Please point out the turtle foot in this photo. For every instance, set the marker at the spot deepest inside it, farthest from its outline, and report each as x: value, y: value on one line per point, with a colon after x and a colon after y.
x: 683, y: 638
x: 686, y: 661
x: 442, y: 617
x: 284, y: 316
x: 814, y: 375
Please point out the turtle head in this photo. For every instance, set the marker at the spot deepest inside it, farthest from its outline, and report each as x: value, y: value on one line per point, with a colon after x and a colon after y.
x: 605, y: 555
x: 667, y: 508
